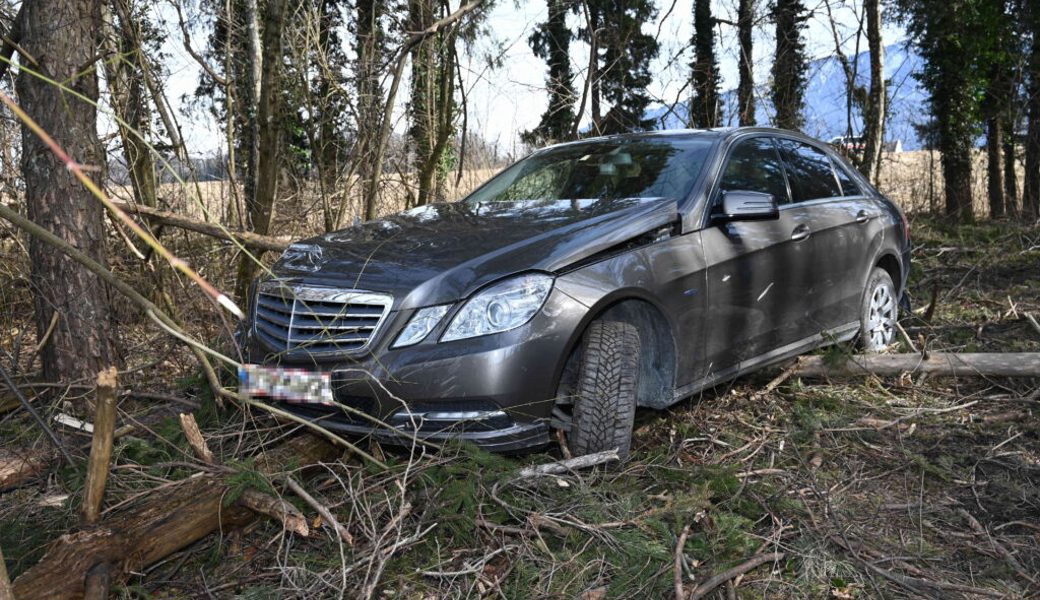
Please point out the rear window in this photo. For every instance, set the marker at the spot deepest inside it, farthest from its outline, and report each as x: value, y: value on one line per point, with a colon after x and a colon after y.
x: 849, y: 187
x: 614, y: 169
x: 808, y: 171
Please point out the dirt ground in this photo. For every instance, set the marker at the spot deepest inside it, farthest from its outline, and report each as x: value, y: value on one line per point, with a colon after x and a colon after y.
x: 871, y: 488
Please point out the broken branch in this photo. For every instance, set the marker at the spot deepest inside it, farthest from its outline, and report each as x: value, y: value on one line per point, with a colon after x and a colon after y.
x: 195, y: 439
x: 570, y: 464
x: 101, y: 446
x: 171, y: 219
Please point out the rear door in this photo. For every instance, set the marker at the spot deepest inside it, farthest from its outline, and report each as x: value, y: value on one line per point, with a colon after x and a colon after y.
x: 837, y: 244
x: 753, y: 267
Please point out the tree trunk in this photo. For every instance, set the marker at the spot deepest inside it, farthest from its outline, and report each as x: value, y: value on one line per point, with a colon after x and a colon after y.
x: 745, y: 66
x: 269, y: 129
x: 789, y: 64
x: 1010, y: 175
x: 128, y: 102
x: 1031, y: 181
x: 874, y: 114
x: 423, y: 103
x: 595, y: 84
x: 370, y: 94
x: 995, y: 166
x: 62, y: 37
x: 705, y: 110
x: 251, y: 102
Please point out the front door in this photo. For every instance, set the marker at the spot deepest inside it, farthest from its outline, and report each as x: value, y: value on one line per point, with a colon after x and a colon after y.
x: 754, y: 268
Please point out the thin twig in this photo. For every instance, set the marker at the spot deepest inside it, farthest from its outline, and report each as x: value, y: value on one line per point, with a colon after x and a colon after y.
x: 709, y: 585
x: 36, y: 416
x: 322, y: 510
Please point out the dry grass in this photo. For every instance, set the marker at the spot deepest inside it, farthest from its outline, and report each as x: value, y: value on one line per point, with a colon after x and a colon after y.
x: 914, y: 180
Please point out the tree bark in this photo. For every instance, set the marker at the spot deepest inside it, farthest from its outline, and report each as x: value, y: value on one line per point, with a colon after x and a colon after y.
x: 261, y: 203
x: 874, y: 114
x: 1006, y: 364
x: 169, y: 519
x: 62, y: 36
x: 745, y: 64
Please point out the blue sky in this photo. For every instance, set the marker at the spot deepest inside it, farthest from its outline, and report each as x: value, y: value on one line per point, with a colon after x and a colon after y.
x: 506, y: 101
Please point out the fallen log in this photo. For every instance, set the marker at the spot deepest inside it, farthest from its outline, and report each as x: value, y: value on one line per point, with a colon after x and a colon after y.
x: 170, y: 519
x: 995, y: 364
x: 172, y: 219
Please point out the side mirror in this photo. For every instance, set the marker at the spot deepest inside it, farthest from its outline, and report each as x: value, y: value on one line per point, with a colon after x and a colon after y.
x: 748, y: 206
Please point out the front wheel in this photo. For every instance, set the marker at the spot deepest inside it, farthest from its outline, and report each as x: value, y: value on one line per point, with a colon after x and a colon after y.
x: 879, y: 312
x: 605, y: 394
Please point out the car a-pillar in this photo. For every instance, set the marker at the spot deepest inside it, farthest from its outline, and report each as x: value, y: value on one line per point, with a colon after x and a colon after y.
x: 625, y: 358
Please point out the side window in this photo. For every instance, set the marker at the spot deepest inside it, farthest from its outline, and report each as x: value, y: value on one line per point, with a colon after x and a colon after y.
x: 849, y: 187
x: 809, y: 171
x: 754, y: 166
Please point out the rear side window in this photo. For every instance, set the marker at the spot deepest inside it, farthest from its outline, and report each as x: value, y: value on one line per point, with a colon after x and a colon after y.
x: 849, y: 187
x: 754, y: 166
x: 809, y: 171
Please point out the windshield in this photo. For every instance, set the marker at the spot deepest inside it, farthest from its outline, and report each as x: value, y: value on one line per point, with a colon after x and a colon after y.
x: 602, y: 170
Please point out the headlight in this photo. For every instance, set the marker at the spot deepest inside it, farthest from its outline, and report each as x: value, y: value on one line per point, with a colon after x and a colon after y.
x: 501, y: 307
x: 420, y: 325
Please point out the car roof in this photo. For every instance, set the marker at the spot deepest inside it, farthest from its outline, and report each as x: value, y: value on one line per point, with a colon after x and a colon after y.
x: 716, y: 132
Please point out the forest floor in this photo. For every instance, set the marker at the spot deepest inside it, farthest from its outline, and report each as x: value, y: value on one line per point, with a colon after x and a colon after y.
x: 871, y: 488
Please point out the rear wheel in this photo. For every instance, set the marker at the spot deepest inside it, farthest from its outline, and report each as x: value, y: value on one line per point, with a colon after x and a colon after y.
x: 599, y: 410
x: 879, y: 312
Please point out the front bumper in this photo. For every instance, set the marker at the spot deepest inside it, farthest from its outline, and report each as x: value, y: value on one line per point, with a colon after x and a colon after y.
x: 495, y: 391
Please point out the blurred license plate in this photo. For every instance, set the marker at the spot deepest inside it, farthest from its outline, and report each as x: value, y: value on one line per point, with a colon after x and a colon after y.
x: 290, y: 385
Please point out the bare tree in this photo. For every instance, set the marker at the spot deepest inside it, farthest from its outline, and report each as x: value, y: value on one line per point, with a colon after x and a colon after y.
x: 745, y: 64
x: 874, y: 111
x: 269, y: 130
x: 125, y: 85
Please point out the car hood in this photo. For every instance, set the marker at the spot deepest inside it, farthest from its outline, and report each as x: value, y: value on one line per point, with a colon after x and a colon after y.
x: 440, y: 253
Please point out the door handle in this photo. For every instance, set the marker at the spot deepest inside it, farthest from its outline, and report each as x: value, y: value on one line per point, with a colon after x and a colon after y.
x: 800, y: 233
x: 863, y: 216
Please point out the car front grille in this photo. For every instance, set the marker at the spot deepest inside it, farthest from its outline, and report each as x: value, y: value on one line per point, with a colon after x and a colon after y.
x: 311, y: 320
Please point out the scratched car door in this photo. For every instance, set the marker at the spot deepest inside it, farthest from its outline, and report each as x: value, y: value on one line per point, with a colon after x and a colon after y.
x: 753, y: 267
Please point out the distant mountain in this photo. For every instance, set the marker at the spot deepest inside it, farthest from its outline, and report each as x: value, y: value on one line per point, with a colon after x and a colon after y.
x: 826, y: 114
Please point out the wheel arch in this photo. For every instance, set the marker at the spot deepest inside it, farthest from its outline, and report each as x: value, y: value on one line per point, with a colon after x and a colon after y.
x: 892, y: 266
x: 658, y: 353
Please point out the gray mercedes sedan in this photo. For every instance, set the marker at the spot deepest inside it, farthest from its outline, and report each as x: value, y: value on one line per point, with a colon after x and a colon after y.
x: 586, y: 280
